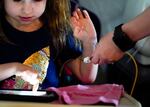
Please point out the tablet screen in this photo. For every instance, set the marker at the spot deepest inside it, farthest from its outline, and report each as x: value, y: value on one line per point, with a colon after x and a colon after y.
x: 24, y: 93
x: 28, y: 95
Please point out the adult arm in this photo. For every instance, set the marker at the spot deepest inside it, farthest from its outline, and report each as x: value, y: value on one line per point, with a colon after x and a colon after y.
x: 136, y: 29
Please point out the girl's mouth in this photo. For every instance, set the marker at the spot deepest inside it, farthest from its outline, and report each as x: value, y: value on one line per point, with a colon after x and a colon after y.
x: 25, y: 19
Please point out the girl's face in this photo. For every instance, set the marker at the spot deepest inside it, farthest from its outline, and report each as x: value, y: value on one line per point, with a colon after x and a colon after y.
x: 24, y: 12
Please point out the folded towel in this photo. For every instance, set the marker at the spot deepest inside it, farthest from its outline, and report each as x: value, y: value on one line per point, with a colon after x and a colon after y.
x: 89, y: 94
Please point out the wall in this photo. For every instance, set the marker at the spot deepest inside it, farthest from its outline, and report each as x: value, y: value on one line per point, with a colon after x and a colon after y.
x: 110, y: 12
x: 114, y: 12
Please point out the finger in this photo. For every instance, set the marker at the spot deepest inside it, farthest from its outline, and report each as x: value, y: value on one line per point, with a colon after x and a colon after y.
x: 101, y: 62
x: 33, y: 81
x: 80, y: 14
x: 86, y: 14
x: 95, y: 59
x: 29, y: 76
x: 109, y: 61
x: 75, y: 14
x: 35, y: 87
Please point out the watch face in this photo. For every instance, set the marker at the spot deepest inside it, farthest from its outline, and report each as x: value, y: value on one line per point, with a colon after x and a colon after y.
x: 87, y: 60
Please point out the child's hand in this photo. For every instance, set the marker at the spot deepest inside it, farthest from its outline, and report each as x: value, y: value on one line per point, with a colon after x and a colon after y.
x: 27, y: 74
x: 83, y: 27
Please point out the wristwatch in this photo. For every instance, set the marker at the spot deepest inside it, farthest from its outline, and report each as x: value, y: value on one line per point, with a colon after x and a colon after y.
x: 121, y: 39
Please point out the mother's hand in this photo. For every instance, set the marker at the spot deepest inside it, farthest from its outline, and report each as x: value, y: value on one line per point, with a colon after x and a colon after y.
x: 106, y: 51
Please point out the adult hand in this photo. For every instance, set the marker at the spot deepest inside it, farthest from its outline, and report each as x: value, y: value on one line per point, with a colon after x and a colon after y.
x: 106, y: 51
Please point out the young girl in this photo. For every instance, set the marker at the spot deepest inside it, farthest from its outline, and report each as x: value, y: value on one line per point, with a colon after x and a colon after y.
x: 27, y: 26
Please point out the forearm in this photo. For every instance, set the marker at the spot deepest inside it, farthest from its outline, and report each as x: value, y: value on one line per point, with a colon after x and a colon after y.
x: 139, y: 27
x: 88, y: 71
x: 7, y: 70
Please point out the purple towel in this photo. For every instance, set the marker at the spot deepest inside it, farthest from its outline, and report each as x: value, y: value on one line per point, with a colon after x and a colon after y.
x: 90, y: 94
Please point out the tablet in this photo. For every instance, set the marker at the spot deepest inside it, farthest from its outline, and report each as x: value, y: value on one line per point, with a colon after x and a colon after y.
x: 28, y: 95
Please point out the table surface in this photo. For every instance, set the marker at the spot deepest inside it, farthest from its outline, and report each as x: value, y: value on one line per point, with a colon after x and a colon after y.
x: 126, y: 101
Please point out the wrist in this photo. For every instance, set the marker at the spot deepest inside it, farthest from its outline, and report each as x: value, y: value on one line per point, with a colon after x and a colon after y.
x: 122, y: 40
x: 130, y: 30
x: 89, y: 43
x: 17, y: 69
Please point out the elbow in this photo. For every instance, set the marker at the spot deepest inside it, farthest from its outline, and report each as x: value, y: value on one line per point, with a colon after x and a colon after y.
x: 88, y: 75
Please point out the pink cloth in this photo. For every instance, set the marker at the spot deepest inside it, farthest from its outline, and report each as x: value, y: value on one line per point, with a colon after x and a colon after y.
x: 89, y: 94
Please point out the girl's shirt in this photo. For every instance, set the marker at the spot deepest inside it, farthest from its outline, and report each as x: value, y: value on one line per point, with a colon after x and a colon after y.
x: 27, y: 43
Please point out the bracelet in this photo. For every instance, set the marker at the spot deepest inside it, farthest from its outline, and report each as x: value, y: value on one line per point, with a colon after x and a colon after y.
x: 122, y: 40
x: 86, y: 60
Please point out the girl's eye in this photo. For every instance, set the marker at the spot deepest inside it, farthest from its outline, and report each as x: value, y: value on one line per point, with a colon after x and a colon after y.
x: 38, y: 0
x: 17, y: 0
x: 33, y: 0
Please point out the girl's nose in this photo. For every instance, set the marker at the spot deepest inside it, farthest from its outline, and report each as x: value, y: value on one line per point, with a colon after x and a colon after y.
x: 27, y: 8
